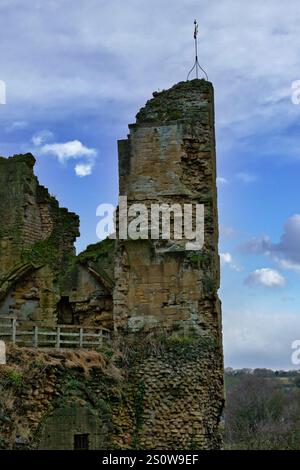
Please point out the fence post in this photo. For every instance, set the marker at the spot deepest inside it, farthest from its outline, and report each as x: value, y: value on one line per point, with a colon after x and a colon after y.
x: 14, y: 330
x: 36, y: 336
x: 58, y: 337
x: 81, y: 338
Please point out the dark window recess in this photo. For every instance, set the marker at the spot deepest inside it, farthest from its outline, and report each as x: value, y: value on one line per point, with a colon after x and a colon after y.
x: 65, y: 312
x: 81, y: 441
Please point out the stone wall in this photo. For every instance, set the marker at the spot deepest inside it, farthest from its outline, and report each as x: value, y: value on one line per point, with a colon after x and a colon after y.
x: 169, y: 157
x: 36, y: 242
x: 73, y: 421
x: 159, y: 383
x: 49, y: 397
x: 88, y: 285
x: 41, y: 279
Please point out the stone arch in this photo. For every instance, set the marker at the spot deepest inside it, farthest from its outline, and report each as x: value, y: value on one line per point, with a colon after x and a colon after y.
x: 74, y: 426
x: 13, y: 276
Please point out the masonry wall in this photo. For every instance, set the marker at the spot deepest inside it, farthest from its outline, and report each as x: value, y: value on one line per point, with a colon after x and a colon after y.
x: 89, y: 299
x: 160, y: 286
x: 159, y: 383
x: 60, y: 429
x: 36, y: 242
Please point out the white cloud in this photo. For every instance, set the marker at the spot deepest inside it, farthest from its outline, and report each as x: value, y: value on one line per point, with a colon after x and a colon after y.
x: 83, y: 169
x: 247, y: 177
x: 257, y: 245
x: 41, y: 137
x: 73, y: 149
x: 65, y: 151
x: 256, y: 338
x: 16, y: 126
x: 289, y: 245
x: 266, y: 277
x: 222, y: 181
x: 287, y: 264
x: 64, y: 74
x: 227, y: 231
x: 287, y: 252
x: 227, y: 260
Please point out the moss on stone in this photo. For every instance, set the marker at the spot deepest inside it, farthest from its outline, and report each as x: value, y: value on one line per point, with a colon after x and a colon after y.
x: 100, y: 257
x: 42, y: 252
x: 96, y: 250
x: 170, y: 105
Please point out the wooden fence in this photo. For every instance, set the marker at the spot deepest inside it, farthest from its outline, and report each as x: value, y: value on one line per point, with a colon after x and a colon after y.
x: 61, y: 336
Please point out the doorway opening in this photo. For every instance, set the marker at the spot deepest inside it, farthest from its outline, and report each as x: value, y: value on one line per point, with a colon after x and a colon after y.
x: 65, y: 314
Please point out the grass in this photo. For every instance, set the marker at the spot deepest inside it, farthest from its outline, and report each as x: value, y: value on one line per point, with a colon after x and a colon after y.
x: 14, y: 378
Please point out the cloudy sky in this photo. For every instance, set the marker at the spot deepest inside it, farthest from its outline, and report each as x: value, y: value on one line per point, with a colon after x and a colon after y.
x: 77, y: 71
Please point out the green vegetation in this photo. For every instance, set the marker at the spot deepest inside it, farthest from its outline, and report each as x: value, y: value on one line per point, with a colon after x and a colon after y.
x: 194, y: 444
x: 73, y: 384
x: 175, y: 345
x: 165, y: 105
x: 99, y: 257
x: 203, y: 259
x: 209, y: 285
x: 182, y: 340
x: 138, y: 413
x: 262, y: 410
x: 14, y: 378
x: 42, y: 252
x: 97, y: 250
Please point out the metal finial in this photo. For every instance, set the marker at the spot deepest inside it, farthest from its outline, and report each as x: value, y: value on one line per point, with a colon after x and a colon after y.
x: 196, y: 65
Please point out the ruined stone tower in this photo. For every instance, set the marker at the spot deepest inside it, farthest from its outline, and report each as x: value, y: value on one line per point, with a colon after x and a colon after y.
x: 163, y: 289
x: 162, y: 384
x: 36, y: 241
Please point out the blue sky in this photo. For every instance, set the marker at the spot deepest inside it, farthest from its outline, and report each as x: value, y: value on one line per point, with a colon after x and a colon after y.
x: 76, y: 74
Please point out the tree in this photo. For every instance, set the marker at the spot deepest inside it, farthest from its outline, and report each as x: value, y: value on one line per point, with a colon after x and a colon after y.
x: 259, y: 414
